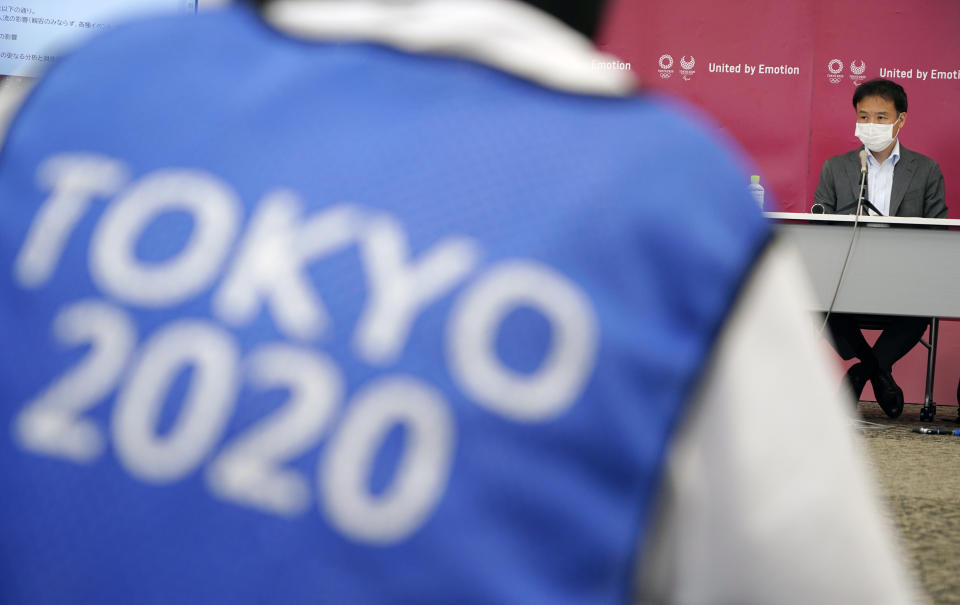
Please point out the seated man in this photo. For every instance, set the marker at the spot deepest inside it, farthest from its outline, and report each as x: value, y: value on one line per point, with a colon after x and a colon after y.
x: 900, y: 182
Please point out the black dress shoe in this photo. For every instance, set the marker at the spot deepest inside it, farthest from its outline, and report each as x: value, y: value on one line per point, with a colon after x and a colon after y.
x: 889, y: 395
x: 856, y: 379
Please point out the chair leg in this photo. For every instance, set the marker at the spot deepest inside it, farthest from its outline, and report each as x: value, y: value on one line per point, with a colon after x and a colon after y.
x: 958, y: 402
x: 929, y: 409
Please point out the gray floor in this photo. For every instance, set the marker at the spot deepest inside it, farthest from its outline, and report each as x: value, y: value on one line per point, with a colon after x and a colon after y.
x: 918, y: 475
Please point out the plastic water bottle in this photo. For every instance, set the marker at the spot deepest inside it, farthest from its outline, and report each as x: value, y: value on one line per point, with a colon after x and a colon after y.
x: 756, y: 189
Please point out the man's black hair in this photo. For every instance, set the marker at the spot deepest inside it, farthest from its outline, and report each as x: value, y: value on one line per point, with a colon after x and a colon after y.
x: 583, y: 16
x: 885, y: 89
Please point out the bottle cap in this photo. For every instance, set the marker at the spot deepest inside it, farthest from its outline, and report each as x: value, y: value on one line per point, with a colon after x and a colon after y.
x: 755, y: 179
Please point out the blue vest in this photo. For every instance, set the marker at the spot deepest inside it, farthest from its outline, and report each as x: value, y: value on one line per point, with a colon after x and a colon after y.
x: 290, y: 322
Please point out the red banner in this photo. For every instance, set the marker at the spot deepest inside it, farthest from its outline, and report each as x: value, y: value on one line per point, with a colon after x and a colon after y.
x: 914, y: 44
x: 779, y: 78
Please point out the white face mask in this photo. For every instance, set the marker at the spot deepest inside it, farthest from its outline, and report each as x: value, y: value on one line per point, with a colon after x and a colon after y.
x: 875, y: 137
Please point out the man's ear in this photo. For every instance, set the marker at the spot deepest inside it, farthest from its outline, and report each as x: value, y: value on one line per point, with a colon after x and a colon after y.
x: 903, y: 122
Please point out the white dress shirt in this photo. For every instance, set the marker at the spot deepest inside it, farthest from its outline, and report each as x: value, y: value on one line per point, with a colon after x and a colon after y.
x: 880, y: 179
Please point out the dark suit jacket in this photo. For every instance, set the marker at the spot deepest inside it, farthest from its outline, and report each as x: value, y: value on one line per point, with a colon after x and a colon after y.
x: 917, y: 185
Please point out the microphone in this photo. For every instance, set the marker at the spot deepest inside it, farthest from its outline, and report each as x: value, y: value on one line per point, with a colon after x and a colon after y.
x: 817, y: 209
x: 863, y: 182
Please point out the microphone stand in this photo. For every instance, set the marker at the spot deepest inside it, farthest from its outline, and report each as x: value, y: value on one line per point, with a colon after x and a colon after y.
x: 853, y: 238
x: 860, y: 198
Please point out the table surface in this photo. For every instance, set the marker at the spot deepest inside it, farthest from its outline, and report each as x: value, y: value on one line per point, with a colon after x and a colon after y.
x: 904, y: 269
x: 849, y: 218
